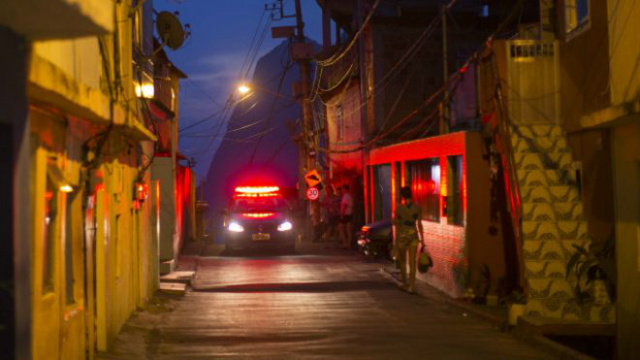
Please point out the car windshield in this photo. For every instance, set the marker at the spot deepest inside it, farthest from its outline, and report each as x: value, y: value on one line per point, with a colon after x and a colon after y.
x: 259, y: 204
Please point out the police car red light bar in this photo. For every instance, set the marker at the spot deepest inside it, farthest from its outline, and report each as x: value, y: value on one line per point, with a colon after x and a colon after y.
x: 250, y: 195
x: 258, y: 215
x: 257, y: 189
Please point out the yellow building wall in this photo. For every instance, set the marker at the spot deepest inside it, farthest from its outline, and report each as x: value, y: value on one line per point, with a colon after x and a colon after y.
x: 68, y: 78
x: 125, y: 278
x: 58, y: 325
x: 624, y: 50
x: 627, y: 202
x: 78, y: 58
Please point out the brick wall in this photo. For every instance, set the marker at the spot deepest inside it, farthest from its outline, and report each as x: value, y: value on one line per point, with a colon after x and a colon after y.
x: 446, y: 243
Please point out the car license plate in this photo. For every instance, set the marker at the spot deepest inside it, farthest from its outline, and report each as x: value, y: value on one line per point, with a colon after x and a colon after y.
x: 260, y: 237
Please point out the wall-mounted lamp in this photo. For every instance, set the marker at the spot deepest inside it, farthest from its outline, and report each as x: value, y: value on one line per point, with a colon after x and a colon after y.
x: 56, y: 176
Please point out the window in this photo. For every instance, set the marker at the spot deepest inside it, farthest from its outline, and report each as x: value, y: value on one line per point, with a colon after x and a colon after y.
x: 382, y: 191
x: 576, y: 15
x: 48, y: 247
x: 340, y: 122
x: 424, y: 179
x: 484, y: 10
x: 68, y: 249
x: 456, y: 201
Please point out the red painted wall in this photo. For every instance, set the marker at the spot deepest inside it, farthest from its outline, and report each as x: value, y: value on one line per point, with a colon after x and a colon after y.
x: 458, y: 251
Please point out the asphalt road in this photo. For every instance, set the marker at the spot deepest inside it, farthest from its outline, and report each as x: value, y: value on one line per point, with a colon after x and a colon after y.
x: 306, y: 307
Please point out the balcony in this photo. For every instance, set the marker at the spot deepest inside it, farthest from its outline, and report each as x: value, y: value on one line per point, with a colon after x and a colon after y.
x: 57, y: 19
x: 164, y: 92
x: 529, y: 75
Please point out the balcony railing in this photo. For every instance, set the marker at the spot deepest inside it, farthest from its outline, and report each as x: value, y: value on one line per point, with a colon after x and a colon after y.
x: 530, y: 77
x: 164, y: 92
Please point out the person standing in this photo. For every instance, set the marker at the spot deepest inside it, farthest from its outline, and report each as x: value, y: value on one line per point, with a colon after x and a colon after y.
x: 408, y: 231
x: 346, y: 218
x: 331, y: 212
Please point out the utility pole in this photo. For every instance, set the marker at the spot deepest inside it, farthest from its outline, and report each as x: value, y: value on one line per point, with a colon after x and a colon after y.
x: 303, y: 63
x: 306, y: 164
x: 444, y: 126
x: 301, y: 53
x: 364, y: 125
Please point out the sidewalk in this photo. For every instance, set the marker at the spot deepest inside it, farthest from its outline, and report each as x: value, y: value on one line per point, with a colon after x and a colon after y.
x: 496, y: 316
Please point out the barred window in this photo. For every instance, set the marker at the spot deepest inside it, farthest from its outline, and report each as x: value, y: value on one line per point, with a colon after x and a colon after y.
x: 424, y: 178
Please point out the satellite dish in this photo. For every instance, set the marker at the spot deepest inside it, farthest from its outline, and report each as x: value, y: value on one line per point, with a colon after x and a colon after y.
x: 170, y: 30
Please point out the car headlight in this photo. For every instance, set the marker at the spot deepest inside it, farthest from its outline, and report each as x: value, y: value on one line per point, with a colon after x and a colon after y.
x: 285, y: 226
x: 235, y: 227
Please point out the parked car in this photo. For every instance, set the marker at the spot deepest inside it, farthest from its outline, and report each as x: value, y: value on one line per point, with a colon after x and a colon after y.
x: 375, y: 240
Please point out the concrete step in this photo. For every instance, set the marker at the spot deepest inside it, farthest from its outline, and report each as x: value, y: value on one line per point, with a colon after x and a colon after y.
x: 539, y: 250
x: 540, y: 145
x: 172, y: 288
x: 539, y: 326
x: 546, y: 177
x: 559, y: 230
x: 543, y: 161
x: 551, y: 194
x: 184, y: 277
x: 559, y: 303
x: 167, y: 267
x: 552, y: 211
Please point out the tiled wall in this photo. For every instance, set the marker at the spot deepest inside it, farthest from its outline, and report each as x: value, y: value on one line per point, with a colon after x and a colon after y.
x: 446, y: 245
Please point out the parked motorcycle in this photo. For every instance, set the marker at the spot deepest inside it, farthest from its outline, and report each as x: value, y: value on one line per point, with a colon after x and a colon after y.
x: 375, y: 240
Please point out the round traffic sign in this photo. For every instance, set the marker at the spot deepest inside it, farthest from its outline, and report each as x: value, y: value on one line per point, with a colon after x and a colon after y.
x: 313, y: 193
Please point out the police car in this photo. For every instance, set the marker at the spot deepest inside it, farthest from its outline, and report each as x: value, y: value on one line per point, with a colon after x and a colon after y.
x: 258, y: 217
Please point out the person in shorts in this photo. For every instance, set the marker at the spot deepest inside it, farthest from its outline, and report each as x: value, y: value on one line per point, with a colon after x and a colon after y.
x: 407, y: 223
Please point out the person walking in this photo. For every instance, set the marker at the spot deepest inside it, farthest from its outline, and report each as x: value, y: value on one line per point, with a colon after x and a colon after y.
x: 346, y: 218
x: 408, y: 231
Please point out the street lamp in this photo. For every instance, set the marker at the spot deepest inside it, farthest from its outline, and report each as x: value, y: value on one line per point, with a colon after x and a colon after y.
x: 243, y: 89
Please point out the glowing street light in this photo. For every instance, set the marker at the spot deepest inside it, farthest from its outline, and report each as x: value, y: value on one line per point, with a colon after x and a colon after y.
x: 243, y: 89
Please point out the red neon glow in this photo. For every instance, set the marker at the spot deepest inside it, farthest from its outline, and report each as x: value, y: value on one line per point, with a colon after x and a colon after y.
x: 257, y: 189
x: 142, y: 191
x: 258, y: 215
x: 431, y: 186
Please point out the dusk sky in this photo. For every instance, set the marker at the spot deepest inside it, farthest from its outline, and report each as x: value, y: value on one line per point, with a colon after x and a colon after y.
x: 212, y: 57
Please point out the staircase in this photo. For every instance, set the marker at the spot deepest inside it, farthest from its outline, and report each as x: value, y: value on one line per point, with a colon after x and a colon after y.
x: 552, y: 221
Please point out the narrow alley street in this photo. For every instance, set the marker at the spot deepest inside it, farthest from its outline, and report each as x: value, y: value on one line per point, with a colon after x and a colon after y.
x: 306, y: 306
x: 191, y: 179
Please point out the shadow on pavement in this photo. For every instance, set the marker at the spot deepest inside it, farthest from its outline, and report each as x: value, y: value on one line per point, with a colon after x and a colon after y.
x: 306, y: 287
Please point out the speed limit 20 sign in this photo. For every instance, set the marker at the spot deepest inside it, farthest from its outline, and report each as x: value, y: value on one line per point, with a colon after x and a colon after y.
x: 313, y: 193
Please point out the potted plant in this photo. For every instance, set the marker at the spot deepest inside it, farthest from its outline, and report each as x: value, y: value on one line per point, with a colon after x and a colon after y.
x: 593, y: 272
